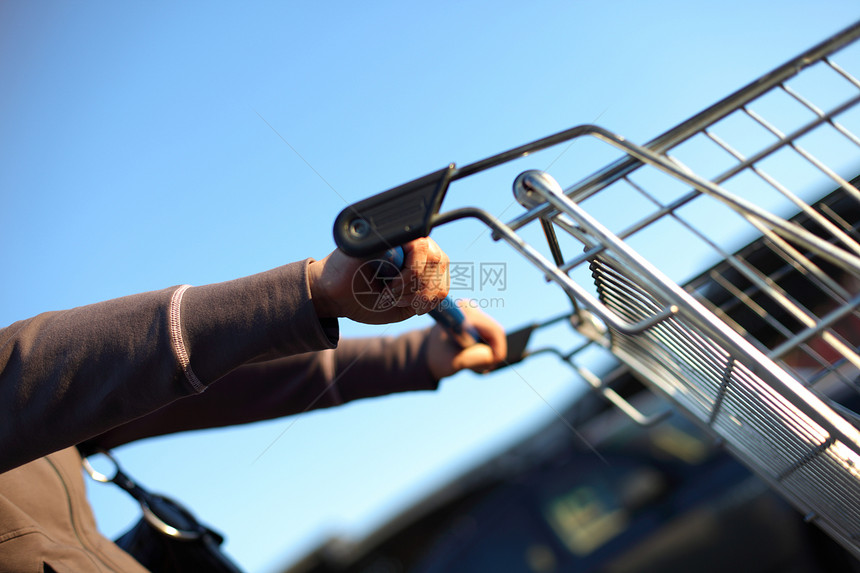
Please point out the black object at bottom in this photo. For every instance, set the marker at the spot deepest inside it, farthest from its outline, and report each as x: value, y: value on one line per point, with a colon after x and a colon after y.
x: 160, y: 552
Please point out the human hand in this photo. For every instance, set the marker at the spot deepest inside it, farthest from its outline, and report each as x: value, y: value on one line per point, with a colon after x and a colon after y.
x: 445, y: 357
x: 343, y: 286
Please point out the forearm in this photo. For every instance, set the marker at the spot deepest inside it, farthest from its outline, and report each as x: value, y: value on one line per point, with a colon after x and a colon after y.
x: 70, y: 375
x: 358, y: 368
x: 250, y: 393
x: 369, y: 367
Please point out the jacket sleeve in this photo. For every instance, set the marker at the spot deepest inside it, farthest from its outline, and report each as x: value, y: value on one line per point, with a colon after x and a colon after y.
x: 358, y: 368
x: 68, y: 376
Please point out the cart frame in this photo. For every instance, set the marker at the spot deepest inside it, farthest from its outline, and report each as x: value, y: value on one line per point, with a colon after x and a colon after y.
x: 786, y: 425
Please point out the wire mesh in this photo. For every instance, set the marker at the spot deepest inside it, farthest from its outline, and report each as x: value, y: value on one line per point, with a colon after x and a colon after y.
x: 762, y: 348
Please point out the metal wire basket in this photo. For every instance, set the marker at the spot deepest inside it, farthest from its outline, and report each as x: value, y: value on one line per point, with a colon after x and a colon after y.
x: 762, y: 349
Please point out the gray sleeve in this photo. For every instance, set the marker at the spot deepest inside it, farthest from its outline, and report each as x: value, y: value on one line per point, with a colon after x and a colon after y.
x: 67, y: 376
x: 358, y: 368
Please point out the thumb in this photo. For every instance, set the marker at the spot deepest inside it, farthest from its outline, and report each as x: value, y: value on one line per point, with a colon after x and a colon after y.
x: 478, y: 357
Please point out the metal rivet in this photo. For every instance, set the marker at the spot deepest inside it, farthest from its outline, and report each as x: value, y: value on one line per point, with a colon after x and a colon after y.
x: 359, y: 228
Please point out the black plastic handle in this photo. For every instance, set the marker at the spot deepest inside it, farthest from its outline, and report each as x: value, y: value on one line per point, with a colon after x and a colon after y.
x: 393, y: 217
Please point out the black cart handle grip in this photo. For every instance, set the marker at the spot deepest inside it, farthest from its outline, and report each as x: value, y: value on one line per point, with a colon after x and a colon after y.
x: 393, y: 217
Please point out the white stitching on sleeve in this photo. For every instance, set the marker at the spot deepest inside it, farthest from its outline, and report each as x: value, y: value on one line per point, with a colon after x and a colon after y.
x: 178, y: 343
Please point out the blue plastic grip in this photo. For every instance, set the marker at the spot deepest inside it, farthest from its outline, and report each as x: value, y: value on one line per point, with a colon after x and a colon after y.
x: 447, y: 313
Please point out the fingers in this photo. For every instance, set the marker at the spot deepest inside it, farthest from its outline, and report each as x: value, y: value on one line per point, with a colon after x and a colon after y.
x: 424, y: 282
x: 478, y: 358
x: 350, y: 287
x: 445, y: 358
x: 495, y: 348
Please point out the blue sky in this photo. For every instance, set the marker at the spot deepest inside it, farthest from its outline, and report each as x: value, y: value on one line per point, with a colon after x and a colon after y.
x: 133, y: 157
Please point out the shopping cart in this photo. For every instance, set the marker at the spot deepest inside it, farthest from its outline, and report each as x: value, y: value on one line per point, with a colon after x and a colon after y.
x: 761, y: 350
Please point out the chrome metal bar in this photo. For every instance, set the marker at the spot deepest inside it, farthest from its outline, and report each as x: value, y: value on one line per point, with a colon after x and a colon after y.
x: 552, y: 272
x: 680, y: 133
x: 717, y: 362
x: 819, y: 327
x: 745, y: 208
x: 825, y: 116
x: 791, y: 140
x: 797, y: 201
x: 722, y: 335
x: 797, y: 133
